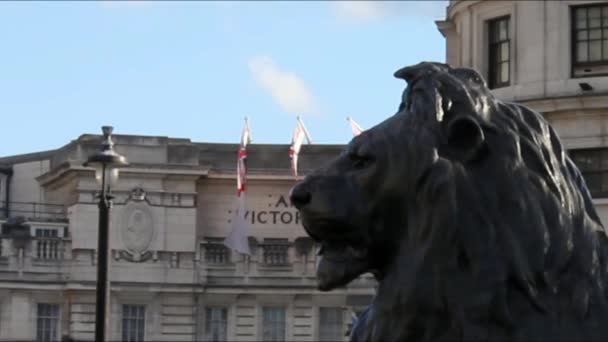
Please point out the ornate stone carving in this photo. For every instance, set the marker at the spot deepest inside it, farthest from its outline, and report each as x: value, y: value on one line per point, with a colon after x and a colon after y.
x: 138, y: 231
x: 136, y: 257
x: 138, y: 194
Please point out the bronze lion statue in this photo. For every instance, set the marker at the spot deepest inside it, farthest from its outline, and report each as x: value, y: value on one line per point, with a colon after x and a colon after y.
x: 469, y: 213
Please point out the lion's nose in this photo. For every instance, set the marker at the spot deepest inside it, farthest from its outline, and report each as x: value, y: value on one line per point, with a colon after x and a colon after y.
x: 299, y: 196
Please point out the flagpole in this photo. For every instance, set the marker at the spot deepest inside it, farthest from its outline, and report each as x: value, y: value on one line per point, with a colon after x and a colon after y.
x: 305, y: 130
x: 237, y: 239
x: 248, y: 130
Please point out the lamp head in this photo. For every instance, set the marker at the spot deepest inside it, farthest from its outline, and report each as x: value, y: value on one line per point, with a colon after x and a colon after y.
x: 107, y: 161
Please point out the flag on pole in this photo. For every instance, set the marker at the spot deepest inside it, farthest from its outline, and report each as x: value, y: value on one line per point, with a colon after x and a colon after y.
x: 241, y: 168
x: 354, y: 126
x: 299, y: 134
x: 237, y: 239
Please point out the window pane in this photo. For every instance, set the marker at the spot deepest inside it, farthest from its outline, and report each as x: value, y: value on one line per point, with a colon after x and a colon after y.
x: 133, y: 322
x: 582, y: 35
x: 603, y: 163
x: 581, y: 18
x: 503, y: 30
x: 47, y: 322
x: 594, y: 182
x: 331, y: 324
x: 273, y: 325
x: 495, y: 75
x: 581, y: 52
x: 504, y: 51
x: 595, y: 34
x: 605, y: 16
x: 216, y: 324
x: 605, y: 56
x: 595, y: 50
x: 604, y: 189
x: 587, y: 160
x: 504, y: 72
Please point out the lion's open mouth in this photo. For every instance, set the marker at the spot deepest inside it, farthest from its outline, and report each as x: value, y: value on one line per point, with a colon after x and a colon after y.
x: 339, y: 263
x: 342, y: 253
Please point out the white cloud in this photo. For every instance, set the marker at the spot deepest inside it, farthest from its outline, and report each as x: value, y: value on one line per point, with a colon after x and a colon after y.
x: 360, y: 9
x: 286, y: 88
x: 369, y: 10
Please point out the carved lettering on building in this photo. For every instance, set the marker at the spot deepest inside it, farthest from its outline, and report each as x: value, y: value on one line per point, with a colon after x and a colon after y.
x: 281, y: 212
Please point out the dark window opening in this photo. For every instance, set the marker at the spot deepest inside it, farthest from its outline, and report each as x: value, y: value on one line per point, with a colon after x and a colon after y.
x: 133, y: 322
x: 47, y: 322
x: 216, y: 252
x: 499, y: 50
x: 276, y: 252
x: 590, y: 39
x: 216, y: 324
x: 593, y: 164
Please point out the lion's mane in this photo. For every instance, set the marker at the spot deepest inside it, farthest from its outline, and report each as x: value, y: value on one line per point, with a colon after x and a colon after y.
x: 505, y: 246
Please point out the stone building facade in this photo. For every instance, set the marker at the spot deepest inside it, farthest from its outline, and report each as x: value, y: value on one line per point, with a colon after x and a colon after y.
x: 171, y: 277
x: 549, y: 55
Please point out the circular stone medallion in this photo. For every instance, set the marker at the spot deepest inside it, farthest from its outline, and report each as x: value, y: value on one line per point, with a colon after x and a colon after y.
x: 138, y: 229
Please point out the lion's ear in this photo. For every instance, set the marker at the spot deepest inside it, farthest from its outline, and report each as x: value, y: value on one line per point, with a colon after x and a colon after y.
x: 465, y: 136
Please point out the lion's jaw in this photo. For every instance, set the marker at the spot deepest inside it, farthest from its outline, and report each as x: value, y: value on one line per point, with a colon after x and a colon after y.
x: 338, y: 264
x: 340, y: 259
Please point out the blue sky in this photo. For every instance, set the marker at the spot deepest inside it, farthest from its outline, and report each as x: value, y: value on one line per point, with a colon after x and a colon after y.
x: 195, y: 69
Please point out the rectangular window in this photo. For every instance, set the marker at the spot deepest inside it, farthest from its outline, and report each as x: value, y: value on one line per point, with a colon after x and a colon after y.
x: 593, y: 164
x: 273, y: 324
x: 47, y: 322
x: 331, y: 327
x: 133, y: 322
x: 216, y: 252
x: 216, y: 324
x: 590, y: 39
x: 499, y: 50
x: 275, y: 252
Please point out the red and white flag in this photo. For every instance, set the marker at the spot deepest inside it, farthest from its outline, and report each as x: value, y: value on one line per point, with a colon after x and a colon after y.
x: 238, y: 239
x: 354, y: 126
x: 299, y: 134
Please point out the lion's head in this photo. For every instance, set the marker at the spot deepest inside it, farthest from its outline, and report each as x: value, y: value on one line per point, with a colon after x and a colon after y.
x: 466, y: 209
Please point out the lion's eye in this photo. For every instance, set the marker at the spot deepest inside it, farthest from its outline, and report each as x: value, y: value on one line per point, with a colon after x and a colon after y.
x: 360, y: 160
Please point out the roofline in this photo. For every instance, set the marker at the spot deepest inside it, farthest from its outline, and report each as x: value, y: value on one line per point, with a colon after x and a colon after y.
x: 267, y: 146
x: 27, y: 157
x: 87, y: 138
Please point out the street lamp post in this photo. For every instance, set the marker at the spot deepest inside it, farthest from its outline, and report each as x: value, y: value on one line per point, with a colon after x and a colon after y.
x: 106, y: 163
